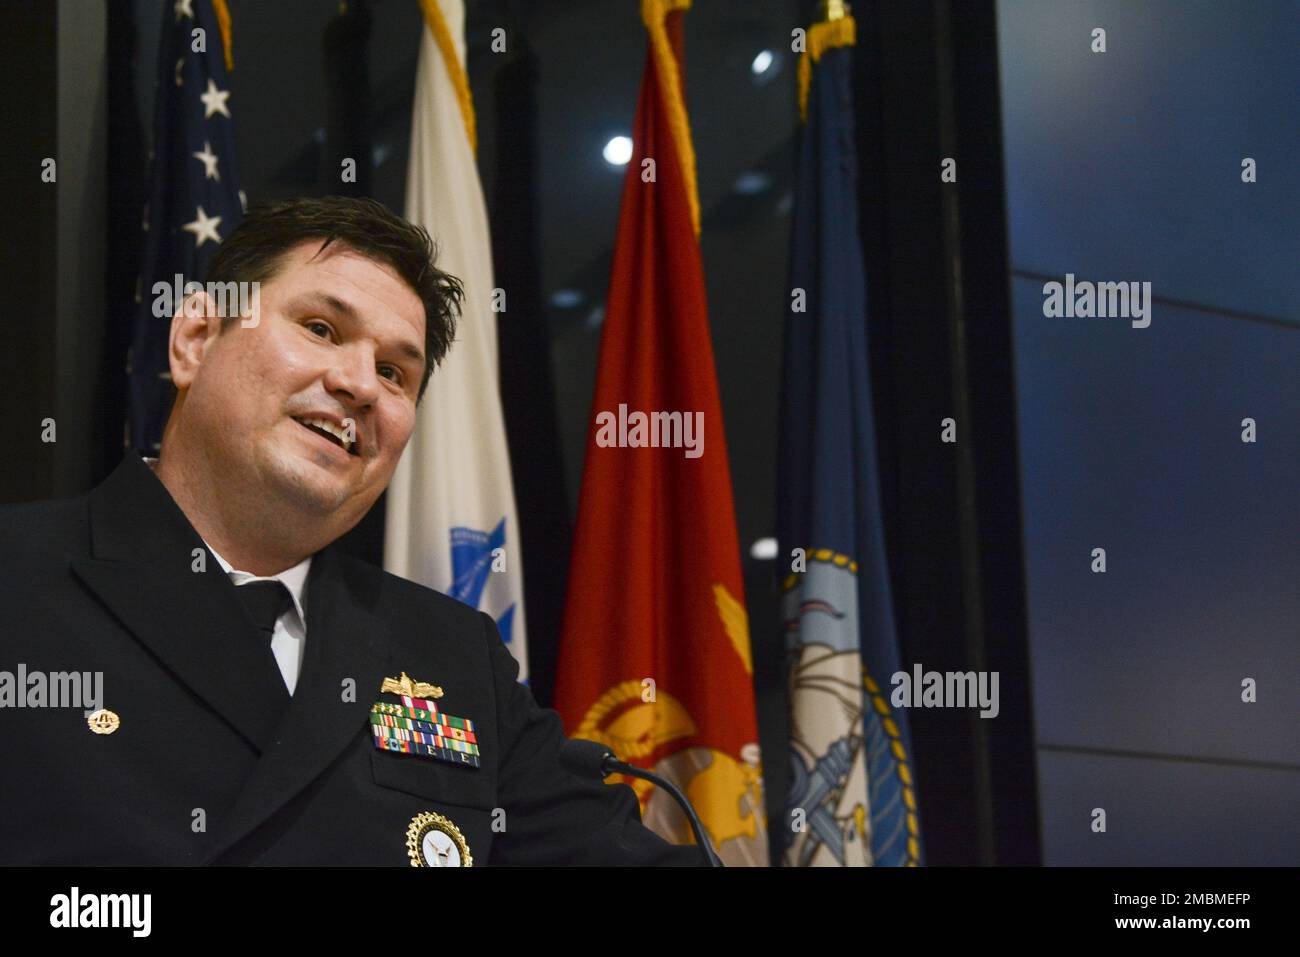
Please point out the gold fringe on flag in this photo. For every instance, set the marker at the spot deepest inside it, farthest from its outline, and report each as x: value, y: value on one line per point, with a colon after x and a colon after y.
x: 455, y: 69
x: 223, y: 22
x: 823, y: 36
x: 653, y: 13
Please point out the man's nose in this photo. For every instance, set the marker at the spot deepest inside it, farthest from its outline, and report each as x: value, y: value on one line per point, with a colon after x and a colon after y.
x: 353, y: 373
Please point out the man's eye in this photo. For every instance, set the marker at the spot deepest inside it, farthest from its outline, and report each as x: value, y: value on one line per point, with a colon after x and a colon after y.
x: 315, y: 324
x: 397, y: 373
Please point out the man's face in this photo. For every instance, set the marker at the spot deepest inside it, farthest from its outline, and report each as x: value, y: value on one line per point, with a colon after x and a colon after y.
x: 339, y: 337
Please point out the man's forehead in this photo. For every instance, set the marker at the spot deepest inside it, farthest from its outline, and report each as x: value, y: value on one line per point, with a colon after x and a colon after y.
x: 341, y: 273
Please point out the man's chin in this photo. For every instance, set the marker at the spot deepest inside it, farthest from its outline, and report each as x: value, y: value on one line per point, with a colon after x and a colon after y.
x: 309, y: 488
x: 318, y: 502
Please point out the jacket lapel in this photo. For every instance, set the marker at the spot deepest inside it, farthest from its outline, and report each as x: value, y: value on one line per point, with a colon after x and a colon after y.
x: 346, y: 650
x: 142, y: 550
x: 141, y: 568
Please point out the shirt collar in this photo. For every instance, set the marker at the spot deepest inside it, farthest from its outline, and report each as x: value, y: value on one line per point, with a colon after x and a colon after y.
x: 294, y: 579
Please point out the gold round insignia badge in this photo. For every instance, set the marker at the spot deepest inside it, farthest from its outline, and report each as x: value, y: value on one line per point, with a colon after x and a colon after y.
x: 433, y: 841
x: 103, y: 721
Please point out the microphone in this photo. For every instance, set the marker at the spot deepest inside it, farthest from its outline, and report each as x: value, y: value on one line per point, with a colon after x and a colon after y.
x: 589, y: 759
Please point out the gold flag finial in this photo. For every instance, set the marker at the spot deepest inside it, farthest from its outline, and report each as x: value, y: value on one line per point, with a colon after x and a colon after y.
x: 834, y: 9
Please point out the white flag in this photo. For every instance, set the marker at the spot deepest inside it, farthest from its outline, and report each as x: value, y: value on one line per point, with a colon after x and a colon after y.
x: 451, y: 522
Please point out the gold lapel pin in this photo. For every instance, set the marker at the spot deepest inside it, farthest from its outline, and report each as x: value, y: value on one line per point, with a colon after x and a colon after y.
x: 103, y: 721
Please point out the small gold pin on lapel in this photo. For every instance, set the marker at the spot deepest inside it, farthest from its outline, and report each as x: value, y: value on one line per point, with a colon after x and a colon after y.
x: 103, y: 721
x: 412, y: 689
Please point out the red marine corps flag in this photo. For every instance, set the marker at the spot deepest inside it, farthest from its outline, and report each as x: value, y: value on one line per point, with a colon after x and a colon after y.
x: 655, y: 658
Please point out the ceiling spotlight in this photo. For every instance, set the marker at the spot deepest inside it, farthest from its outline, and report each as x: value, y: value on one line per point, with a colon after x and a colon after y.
x: 762, y: 63
x: 618, y: 151
x: 763, y: 550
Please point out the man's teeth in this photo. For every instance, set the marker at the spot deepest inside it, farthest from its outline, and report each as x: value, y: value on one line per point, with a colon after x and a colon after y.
x: 332, y: 429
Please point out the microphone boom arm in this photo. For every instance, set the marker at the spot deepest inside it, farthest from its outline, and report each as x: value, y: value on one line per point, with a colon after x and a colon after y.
x: 612, y: 765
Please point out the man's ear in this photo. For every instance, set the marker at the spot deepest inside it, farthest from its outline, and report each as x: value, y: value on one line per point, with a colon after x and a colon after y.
x: 195, y: 326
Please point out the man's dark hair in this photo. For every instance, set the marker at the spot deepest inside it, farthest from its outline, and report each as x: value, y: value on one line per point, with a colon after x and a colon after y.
x: 255, y: 251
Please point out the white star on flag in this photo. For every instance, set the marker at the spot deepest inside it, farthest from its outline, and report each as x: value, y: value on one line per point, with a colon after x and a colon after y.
x: 209, y: 160
x: 214, y: 101
x: 204, y: 228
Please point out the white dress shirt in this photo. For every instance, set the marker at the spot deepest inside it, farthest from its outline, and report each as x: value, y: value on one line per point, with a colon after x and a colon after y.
x: 290, y: 635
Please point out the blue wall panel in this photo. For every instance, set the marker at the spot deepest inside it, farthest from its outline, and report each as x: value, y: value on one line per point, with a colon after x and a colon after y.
x: 1170, y: 813
x: 1130, y: 440
x: 1127, y: 164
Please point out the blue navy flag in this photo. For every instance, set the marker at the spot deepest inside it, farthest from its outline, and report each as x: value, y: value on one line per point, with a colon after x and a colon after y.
x: 852, y: 798
x: 194, y: 198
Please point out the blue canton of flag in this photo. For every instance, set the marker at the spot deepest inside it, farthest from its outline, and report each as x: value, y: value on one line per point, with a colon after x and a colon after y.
x: 194, y: 199
x: 472, y: 554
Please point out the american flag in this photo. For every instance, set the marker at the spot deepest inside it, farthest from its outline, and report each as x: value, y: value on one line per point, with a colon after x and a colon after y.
x: 194, y: 195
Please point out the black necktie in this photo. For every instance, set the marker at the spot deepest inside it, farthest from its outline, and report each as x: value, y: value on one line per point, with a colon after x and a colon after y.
x: 266, y: 601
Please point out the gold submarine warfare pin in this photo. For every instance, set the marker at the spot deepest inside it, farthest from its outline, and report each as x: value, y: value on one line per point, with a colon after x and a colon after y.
x: 434, y: 841
x: 410, y: 688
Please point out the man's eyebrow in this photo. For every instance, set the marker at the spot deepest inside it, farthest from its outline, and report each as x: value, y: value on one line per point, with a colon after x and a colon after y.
x: 331, y: 303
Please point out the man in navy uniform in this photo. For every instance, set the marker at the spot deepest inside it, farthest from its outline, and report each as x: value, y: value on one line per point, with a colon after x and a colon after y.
x: 266, y: 698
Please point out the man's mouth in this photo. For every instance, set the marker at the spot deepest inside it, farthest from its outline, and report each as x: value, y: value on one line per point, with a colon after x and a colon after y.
x: 330, y: 431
